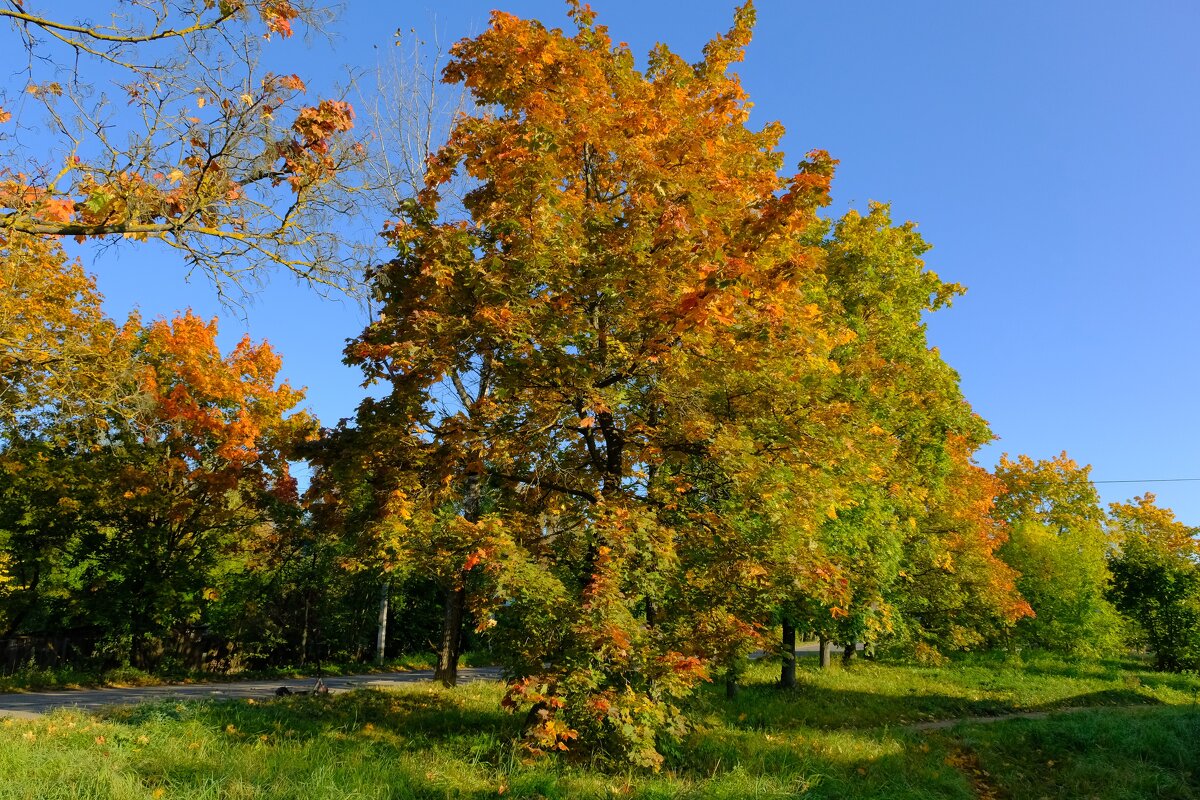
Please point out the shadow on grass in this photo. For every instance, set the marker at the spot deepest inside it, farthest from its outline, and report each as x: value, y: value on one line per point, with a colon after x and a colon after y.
x: 768, y: 708
x: 436, y: 744
x: 413, y: 717
x: 810, y: 763
x: 1100, y: 699
x: 1136, y: 671
x: 1101, y: 753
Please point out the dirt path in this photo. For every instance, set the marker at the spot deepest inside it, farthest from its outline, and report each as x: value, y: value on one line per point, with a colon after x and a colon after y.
x: 26, y: 705
x: 944, y: 724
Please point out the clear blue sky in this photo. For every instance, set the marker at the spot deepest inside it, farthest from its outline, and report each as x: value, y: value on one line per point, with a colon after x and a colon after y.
x: 1048, y: 151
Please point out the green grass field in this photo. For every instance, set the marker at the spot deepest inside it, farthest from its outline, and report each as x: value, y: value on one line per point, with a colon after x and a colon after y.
x: 841, y: 733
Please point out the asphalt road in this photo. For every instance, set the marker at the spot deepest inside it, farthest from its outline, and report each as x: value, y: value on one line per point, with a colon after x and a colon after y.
x: 32, y: 704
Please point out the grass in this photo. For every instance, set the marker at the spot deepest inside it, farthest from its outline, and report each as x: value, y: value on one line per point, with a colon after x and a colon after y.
x: 1106, y: 754
x: 841, y: 733
x: 877, y: 694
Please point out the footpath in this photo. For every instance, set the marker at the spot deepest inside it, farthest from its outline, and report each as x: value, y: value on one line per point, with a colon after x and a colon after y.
x: 26, y: 705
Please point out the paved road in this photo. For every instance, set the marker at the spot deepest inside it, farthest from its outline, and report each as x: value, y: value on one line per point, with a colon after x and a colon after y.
x: 32, y: 704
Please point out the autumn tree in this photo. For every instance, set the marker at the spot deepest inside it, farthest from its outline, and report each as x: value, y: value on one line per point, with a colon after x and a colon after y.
x: 57, y: 365
x: 628, y: 231
x: 136, y: 517
x: 199, y: 148
x: 1059, y: 544
x: 904, y: 536
x: 956, y: 592
x: 1156, y: 579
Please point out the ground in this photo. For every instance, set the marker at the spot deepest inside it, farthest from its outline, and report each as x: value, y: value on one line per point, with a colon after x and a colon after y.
x: 862, y: 732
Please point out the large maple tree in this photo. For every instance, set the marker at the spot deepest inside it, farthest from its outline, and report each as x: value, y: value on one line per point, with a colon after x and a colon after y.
x: 627, y: 234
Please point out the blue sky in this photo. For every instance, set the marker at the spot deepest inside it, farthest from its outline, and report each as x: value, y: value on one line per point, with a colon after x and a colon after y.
x: 1047, y: 151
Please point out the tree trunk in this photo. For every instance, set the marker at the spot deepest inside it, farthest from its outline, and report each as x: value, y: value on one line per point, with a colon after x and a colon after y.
x: 731, y: 685
x: 848, y: 654
x: 824, y: 646
x: 787, y: 673
x: 456, y: 600
x: 447, y: 666
x: 381, y: 632
x: 304, y: 634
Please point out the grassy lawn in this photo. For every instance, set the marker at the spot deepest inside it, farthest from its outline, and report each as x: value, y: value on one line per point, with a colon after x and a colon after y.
x: 840, y: 734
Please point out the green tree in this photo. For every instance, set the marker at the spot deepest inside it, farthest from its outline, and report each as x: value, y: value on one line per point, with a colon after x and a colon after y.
x: 905, y: 536
x: 1156, y: 580
x: 1059, y: 545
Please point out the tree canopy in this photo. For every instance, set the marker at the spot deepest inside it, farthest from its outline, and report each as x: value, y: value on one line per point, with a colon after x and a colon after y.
x: 200, y: 149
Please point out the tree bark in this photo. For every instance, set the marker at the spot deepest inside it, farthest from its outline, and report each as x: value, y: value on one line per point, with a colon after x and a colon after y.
x: 304, y: 633
x: 787, y: 673
x: 451, y: 649
x: 848, y: 654
x: 456, y: 600
x: 731, y: 685
x: 385, y: 591
x: 824, y: 647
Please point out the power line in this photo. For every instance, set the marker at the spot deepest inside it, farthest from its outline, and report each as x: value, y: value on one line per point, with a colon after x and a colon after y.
x: 1155, y: 480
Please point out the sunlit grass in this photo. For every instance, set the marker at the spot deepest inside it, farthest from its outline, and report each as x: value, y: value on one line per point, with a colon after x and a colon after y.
x: 842, y: 733
x: 1105, y: 754
x: 872, y: 694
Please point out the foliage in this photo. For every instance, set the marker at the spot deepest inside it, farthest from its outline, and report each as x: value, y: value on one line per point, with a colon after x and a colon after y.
x: 1156, y: 580
x: 199, y: 149
x: 580, y: 417
x: 1059, y: 545
x: 56, y: 359
x: 130, y: 528
x: 913, y: 538
x: 958, y: 593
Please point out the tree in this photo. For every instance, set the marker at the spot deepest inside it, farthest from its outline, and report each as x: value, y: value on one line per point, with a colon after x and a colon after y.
x: 137, y: 521
x: 956, y: 593
x: 908, y: 530
x: 202, y: 149
x: 510, y: 342
x: 56, y: 345
x: 1156, y: 580
x: 1059, y: 545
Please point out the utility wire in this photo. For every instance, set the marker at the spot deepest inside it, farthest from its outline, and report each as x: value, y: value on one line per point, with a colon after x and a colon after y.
x: 1154, y: 480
